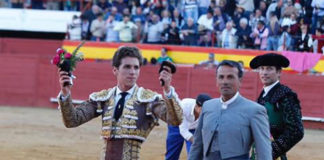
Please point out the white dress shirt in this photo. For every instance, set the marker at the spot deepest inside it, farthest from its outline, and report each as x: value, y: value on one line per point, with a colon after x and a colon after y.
x: 225, y: 104
x: 268, y: 88
x: 128, y: 96
x: 188, y: 121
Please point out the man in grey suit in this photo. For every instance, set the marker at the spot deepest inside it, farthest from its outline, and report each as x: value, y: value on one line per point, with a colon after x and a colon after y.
x: 230, y: 124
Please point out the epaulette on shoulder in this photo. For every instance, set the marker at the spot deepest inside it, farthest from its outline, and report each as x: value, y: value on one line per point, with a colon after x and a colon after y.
x: 102, y: 95
x: 147, y: 95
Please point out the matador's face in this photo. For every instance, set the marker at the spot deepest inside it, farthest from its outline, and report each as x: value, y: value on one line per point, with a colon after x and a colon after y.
x: 127, y: 73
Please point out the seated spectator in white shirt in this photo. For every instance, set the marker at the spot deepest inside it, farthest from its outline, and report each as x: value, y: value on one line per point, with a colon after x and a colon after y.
x: 111, y: 34
x: 228, y: 36
x: 191, y: 112
x: 206, y: 20
x: 153, y: 30
x: 97, y: 28
x: 74, y: 29
x: 125, y: 29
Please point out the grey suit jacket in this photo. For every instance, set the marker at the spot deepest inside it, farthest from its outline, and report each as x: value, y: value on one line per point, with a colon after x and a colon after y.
x: 233, y: 130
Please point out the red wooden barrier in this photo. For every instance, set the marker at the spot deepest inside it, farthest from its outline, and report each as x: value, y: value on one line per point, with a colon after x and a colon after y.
x: 30, y: 80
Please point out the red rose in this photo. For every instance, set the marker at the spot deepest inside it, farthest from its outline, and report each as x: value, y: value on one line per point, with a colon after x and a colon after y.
x: 59, y: 51
x: 67, y: 55
x: 56, y: 60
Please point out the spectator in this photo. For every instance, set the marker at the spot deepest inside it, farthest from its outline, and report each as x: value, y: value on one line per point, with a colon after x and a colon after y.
x: 97, y: 28
x: 133, y: 7
x: 166, y: 18
x: 228, y: 6
x: 91, y: 15
x: 322, y: 24
x: 318, y: 13
x: 190, y: 9
x: 304, y: 41
x: 85, y: 29
x: 177, y: 17
x: 126, y: 11
x: 167, y: 6
x: 275, y: 7
x: 111, y: 34
x: 157, y: 7
x: 289, y: 20
x: 285, y: 39
x: 139, y: 16
x: 139, y: 32
x: 120, y: 5
x: 154, y: 30
x: 294, y: 25
x: 212, y: 5
x: 205, y: 28
x: 164, y: 56
x: 243, y: 34
x: 172, y: 34
x: 289, y: 9
x: 189, y: 33
x: 220, y: 21
x: 263, y: 8
x: 247, y: 5
x: 74, y: 29
x: 238, y: 14
x: 17, y: 3
x: 69, y: 5
x: 229, y: 40
x: 318, y: 36
x: 260, y: 35
x: 5, y: 3
x: 114, y: 12
x: 203, y: 7
x: 256, y: 18
x: 206, y: 20
x: 52, y: 5
x: 104, y: 5
x: 125, y: 29
x: 210, y: 62
x: 147, y: 7
x: 274, y: 33
x: 37, y: 4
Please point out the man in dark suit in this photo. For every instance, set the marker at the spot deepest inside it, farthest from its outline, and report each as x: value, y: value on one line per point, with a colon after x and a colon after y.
x: 230, y: 124
x: 281, y: 102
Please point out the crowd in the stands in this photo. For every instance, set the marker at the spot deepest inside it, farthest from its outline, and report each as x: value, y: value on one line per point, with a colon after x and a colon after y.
x: 257, y: 24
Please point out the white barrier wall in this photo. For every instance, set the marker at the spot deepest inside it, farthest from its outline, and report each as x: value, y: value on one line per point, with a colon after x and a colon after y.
x: 35, y: 20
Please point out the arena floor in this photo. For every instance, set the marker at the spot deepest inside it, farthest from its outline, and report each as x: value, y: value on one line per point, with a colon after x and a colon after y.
x: 38, y: 134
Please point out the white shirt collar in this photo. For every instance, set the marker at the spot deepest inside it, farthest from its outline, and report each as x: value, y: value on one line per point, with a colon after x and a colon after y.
x: 130, y: 91
x: 268, y: 88
x: 225, y: 104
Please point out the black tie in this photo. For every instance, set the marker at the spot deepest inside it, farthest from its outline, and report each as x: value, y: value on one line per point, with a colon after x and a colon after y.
x: 120, y: 106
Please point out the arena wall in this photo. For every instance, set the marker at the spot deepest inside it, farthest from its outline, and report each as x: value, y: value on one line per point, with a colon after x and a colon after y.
x: 29, y: 79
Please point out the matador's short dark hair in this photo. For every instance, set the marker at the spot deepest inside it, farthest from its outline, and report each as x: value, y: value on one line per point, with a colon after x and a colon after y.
x: 126, y: 51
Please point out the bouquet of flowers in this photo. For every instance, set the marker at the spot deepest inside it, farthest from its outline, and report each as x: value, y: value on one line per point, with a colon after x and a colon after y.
x: 67, y: 61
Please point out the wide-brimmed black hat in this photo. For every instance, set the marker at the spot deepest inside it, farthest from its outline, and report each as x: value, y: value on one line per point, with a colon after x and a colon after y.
x: 269, y: 59
x: 201, y: 98
x: 169, y: 64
